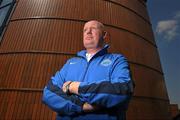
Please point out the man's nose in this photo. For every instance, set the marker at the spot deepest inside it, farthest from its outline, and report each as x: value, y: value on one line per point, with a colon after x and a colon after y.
x: 89, y: 31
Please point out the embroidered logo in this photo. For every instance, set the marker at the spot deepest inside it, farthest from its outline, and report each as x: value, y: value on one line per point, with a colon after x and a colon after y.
x: 106, y: 62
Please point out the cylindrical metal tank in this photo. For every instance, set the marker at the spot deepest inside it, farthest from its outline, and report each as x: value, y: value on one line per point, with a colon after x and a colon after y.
x: 43, y: 34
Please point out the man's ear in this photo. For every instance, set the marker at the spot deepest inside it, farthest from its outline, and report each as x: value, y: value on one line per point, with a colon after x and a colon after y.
x: 106, y: 37
x: 104, y: 34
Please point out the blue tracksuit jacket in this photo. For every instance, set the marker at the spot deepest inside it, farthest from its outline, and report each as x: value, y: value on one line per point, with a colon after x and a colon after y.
x: 105, y: 81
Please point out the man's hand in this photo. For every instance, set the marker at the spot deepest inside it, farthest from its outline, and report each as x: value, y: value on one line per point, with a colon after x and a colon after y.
x: 73, y: 87
x: 65, y: 85
x: 89, y: 108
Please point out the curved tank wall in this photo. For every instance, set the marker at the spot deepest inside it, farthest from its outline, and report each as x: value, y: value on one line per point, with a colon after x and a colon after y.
x: 43, y: 34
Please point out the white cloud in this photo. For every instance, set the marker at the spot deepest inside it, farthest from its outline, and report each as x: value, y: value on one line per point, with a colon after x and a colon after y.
x: 177, y: 15
x: 167, y: 28
x: 172, y: 33
x: 165, y: 25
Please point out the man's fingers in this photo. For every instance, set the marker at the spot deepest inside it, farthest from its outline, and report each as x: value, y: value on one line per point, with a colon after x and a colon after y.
x: 64, y: 86
x: 88, y: 107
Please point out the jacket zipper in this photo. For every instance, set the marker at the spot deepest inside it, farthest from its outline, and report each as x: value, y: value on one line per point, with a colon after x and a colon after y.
x: 86, y: 68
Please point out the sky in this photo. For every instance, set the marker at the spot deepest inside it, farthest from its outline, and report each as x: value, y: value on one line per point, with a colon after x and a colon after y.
x: 165, y: 19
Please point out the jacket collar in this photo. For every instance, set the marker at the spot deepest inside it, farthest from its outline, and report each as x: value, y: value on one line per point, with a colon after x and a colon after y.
x: 103, y: 51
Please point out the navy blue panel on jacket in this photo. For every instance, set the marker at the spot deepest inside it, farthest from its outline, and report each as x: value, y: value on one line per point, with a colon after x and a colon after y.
x: 105, y: 81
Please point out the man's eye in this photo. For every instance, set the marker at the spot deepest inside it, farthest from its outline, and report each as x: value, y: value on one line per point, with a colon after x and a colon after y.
x: 84, y: 30
x: 94, y: 28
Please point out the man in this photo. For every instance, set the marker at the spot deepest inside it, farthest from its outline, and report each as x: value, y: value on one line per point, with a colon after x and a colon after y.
x: 94, y: 85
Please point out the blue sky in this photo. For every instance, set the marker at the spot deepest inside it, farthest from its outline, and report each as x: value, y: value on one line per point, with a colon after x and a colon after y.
x: 165, y: 19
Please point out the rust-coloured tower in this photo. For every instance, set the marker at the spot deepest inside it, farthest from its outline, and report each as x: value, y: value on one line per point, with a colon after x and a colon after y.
x: 42, y: 34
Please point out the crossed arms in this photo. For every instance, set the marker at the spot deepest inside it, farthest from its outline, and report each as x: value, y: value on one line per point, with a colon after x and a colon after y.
x: 88, y: 96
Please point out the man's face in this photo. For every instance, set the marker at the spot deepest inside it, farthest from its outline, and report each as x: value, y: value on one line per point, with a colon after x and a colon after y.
x: 92, y: 34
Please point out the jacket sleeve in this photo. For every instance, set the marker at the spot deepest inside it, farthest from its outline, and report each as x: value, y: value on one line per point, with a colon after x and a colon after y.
x: 56, y: 99
x: 109, y: 93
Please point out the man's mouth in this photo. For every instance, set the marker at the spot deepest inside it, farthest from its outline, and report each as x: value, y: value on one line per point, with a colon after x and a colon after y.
x: 89, y: 37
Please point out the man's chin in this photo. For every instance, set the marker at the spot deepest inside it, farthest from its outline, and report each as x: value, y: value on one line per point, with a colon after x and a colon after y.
x: 90, y: 47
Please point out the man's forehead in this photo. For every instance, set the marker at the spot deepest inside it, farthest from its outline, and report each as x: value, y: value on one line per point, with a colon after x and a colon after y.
x: 93, y: 23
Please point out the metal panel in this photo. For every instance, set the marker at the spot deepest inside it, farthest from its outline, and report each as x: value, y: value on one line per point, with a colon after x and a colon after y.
x: 118, y: 15
x: 43, y: 34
